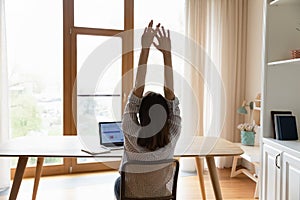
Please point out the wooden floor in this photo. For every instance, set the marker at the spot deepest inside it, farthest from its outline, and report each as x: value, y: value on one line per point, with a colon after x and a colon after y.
x: 100, y: 186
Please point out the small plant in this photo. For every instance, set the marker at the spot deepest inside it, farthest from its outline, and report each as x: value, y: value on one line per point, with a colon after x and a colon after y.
x: 247, y: 127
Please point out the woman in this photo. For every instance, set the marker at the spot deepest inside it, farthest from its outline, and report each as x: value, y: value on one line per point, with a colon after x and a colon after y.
x: 154, y: 135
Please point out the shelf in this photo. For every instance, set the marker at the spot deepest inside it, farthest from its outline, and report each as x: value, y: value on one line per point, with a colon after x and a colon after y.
x: 257, y: 108
x: 275, y: 63
x: 283, y: 2
x: 257, y: 104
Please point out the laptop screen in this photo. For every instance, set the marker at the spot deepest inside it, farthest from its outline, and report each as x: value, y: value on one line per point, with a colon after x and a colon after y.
x: 111, y: 134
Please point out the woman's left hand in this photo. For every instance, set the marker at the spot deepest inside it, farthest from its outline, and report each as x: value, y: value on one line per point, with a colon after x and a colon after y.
x: 164, y: 41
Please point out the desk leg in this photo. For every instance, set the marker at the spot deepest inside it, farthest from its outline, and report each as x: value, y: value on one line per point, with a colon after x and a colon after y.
x: 214, y: 176
x: 18, y: 177
x: 38, y: 173
x: 199, y: 165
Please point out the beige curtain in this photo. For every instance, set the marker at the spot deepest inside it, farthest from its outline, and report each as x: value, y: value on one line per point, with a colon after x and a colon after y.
x: 219, y: 26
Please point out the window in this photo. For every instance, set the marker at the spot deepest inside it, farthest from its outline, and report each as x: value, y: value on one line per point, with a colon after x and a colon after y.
x: 99, y: 100
x: 48, y: 44
x: 35, y: 63
x: 104, y: 101
x: 107, y: 14
x: 99, y: 91
x: 145, y: 10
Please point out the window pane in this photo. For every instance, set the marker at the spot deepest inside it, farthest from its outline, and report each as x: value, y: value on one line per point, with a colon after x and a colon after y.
x: 174, y: 20
x: 104, y: 109
x: 155, y: 73
x: 99, y: 75
x: 90, y: 111
x: 99, y: 14
x: 109, y: 75
x: 35, y: 64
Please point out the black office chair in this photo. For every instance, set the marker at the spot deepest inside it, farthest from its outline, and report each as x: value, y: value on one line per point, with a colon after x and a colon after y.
x: 149, y: 180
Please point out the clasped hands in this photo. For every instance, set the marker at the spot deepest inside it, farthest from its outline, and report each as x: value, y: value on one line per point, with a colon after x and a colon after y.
x: 163, y: 38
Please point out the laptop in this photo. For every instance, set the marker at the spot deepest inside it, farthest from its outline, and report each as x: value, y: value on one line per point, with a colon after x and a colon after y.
x: 111, y: 135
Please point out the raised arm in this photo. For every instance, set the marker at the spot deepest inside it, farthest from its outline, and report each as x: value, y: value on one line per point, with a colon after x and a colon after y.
x: 147, y: 39
x: 164, y: 45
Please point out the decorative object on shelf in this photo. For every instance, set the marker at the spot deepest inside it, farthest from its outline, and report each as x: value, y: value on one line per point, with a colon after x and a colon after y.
x: 285, y: 127
x: 247, y: 133
x: 295, y: 53
x: 278, y: 112
x: 247, y: 138
x: 242, y: 110
x: 247, y: 129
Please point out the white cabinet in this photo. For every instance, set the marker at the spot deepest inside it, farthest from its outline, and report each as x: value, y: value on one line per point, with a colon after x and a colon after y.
x: 281, y: 170
x: 271, y: 172
x: 290, y: 177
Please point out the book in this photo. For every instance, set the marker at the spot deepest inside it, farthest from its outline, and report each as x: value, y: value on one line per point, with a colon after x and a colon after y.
x: 276, y: 125
x: 275, y: 112
x: 285, y: 127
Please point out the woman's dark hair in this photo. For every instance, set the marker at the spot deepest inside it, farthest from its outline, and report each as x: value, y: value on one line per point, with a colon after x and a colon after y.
x: 161, y: 138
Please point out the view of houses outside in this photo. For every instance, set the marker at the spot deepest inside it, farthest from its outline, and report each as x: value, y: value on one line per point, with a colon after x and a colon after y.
x: 35, y: 65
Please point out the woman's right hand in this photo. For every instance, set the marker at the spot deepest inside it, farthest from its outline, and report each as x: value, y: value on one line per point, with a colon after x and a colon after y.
x: 148, y: 35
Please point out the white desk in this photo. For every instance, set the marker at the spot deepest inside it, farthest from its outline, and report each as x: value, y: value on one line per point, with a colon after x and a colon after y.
x: 70, y: 146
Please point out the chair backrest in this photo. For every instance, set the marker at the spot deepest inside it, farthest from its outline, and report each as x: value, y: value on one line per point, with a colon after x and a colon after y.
x: 149, y: 179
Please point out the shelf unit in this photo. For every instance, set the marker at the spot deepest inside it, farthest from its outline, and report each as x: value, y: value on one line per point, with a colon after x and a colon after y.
x: 281, y: 91
x: 281, y: 74
x: 257, y: 111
